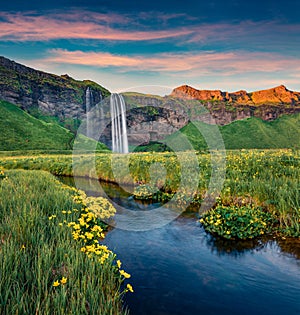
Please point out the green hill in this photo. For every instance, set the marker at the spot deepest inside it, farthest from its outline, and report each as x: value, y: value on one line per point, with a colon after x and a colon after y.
x: 251, y: 133
x: 21, y: 131
x: 255, y: 133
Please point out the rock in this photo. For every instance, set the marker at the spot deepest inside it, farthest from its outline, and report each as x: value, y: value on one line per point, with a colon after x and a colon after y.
x: 187, y: 92
x: 277, y: 95
x: 225, y: 107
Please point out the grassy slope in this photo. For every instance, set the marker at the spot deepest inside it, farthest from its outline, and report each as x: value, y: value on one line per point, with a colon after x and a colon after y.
x: 283, y: 132
x: 21, y: 131
x: 252, y: 133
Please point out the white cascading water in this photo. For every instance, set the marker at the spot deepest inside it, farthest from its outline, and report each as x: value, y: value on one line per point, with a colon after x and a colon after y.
x: 118, y: 124
x: 87, y: 111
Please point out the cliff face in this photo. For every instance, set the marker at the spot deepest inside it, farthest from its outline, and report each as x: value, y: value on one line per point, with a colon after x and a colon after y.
x: 152, y: 118
x: 277, y: 95
x: 225, y: 107
x: 60, y: 96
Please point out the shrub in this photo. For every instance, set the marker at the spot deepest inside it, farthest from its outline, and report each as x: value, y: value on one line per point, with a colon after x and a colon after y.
x: 233, y: 222
x: 145, y: 191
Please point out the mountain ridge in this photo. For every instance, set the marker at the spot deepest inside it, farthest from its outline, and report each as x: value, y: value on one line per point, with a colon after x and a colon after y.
x: 276, y: 95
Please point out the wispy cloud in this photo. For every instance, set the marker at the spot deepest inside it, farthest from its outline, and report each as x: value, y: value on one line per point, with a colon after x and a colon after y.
x: 201, y: 63
x: 32, y: 26
x: 78, y: 25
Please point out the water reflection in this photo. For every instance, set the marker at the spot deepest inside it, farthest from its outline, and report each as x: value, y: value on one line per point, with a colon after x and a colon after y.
x: 290, y: 246
x: 176, y: 270
x: 222, y: 246
x: 92, y: 187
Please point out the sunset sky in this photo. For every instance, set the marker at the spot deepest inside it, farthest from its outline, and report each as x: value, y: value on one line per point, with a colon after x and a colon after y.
x: 228, y: 45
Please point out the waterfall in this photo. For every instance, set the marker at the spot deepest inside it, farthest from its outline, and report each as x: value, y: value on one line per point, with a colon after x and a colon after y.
x: 88, y: 99
x: 88, y: 96
x: 118, y: 124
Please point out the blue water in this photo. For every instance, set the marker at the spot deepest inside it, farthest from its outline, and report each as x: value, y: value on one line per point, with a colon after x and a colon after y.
x: 178, y: 269
x: 181, y: 270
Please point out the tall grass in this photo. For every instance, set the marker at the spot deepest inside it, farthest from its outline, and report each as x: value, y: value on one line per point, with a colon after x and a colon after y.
x: 37, y: 249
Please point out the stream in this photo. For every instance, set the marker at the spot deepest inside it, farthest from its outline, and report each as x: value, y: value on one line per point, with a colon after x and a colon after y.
x: 179, y: 269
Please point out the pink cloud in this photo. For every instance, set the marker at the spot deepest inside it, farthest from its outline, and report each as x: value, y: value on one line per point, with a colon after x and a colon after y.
x: 204, y: 63
x: 73, y: 24
x: 76, y: 25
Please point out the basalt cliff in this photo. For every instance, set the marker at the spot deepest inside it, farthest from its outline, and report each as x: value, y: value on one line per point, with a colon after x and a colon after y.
x: 225, y: 107
x: 34, y: 90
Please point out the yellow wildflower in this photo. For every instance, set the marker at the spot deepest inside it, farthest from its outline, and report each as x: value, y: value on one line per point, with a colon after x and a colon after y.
x: 75, y: 235
x: 56, y: 283
x: 96, y: 228
x: 119, y: 263
x: 129, y: 288
x: 90, y: 248
x: 124, y: 274
x: 76, y: 226
x: 81, y: 221
x: 89, y: 235
x: 63, y: 280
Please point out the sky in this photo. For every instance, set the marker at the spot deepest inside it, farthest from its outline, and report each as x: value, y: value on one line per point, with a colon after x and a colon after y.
x: 155, y: 46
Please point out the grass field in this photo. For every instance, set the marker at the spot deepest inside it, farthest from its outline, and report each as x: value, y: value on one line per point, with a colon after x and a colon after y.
x: 266, y: 178
x: 45, y: 267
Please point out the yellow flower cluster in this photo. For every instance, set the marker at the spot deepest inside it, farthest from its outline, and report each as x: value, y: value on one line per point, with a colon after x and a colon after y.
x: 237, y: 222
x: 144, y: 191
x: 88, y: 230
x: 124, y: 274
x: 86, y: 227
x: 101, y: 251
x: 61, y: 282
